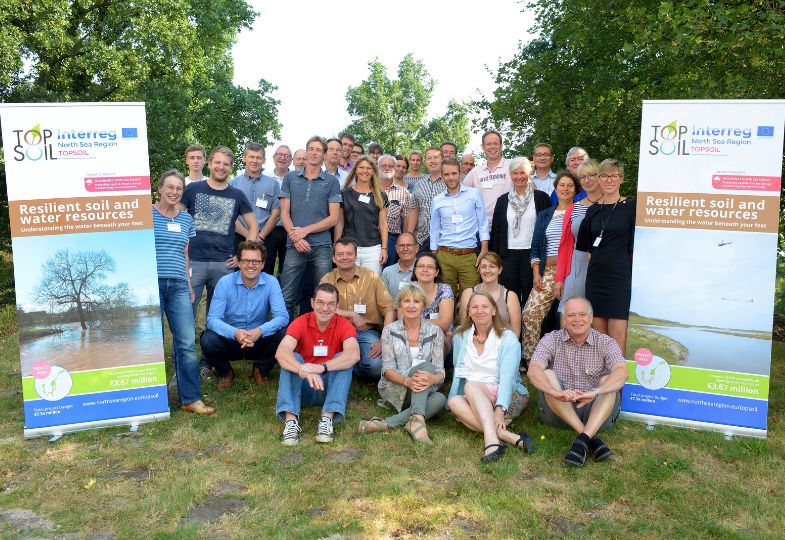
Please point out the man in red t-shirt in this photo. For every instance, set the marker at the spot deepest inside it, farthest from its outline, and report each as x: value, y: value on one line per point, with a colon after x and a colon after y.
x: 316, y: 357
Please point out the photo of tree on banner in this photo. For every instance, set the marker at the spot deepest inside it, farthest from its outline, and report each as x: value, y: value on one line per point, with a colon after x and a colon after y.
x: 717, y: 313
x: 83, y: 308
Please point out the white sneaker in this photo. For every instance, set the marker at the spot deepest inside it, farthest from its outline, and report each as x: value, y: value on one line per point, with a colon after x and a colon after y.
x: 291, y: 433
x: 324, y: 431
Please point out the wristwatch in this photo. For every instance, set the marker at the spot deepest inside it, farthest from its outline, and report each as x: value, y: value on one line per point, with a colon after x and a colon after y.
x: 500, y: 407
x: 324, y: 365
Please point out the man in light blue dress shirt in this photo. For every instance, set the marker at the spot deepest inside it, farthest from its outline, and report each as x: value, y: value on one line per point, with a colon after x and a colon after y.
x: 457, y: 218
x: 237, y: 323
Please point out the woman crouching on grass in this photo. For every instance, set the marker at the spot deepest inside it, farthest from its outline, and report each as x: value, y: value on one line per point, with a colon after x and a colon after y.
x: 412, y: 369
x: 487, y: 392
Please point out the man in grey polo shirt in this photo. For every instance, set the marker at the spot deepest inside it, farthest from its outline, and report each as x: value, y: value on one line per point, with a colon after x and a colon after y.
x: 310, y: 203
x: 262, y: 192
x: 399, y: 274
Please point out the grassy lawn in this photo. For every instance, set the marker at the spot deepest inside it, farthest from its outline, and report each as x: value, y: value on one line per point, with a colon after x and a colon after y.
x: 228, y: 476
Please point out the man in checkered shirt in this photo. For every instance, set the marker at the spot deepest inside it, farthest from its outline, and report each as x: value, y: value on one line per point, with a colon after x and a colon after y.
x: 579, y: 373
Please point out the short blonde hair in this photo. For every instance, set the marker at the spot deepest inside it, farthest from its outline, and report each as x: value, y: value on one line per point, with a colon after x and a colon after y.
x: 411, y: 289
x: 590, y: 166
x: 611, y: 165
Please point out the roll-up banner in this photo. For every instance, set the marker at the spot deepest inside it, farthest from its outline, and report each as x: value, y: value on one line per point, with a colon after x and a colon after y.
x: 89, y: 318
x: 704, y: 266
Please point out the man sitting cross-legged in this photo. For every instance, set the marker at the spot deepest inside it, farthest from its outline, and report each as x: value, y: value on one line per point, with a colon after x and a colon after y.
x: 316, y: 357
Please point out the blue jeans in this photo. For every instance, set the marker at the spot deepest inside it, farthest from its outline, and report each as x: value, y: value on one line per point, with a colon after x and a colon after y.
x: 319, y: 259
x: 392, y: 239
x: 294, y: 393
x: 176, y: 303
x: 369, y: 368
x: 206, y: 273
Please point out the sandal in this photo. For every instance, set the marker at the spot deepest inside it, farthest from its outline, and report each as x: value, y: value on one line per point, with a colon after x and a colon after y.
x: 495, y: 455
x: 373, y: 425
x: 525, y: 438
x: 418, y: 430
x: 599, y: 450
x: 576, y: 455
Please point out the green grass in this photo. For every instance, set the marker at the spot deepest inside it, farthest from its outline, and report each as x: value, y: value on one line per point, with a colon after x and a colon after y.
x: 665, y: 483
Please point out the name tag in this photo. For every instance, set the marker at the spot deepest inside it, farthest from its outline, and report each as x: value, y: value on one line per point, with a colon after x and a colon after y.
x: 261, y: 203
x: 461, y: 372
x: 597, y: 241
x: 365, y: 199
x: 403, y: 284
x: 173, y: 227
x: 433, y: 315
x: 359, y: 308
x: 488, y: 185
x: 320, y: 350
x: 457, y: 218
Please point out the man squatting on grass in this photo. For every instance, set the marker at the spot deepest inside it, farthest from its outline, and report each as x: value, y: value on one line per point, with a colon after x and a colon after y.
x: 579, y: 373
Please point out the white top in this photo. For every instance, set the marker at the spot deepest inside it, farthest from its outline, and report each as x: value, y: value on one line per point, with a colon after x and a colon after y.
x: 524, y: 238
x: 482, y: 368
x: 415, y: 351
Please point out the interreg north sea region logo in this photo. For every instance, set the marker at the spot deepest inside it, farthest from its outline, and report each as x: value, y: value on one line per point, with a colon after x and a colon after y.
x: 676, y: 139
x: 38, y: 143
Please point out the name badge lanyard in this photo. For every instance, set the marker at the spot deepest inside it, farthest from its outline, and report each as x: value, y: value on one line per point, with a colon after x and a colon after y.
x: 604, y: 222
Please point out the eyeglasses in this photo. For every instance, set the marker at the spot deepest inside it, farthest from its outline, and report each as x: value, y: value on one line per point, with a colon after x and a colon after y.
x: 610, y: 177
x: 255, y: 262
x: 425, y: 267
x: 285, y: 156
x: 542, y: 154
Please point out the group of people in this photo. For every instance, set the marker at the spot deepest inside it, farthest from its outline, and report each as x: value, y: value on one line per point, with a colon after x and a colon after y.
x: 403, y: 277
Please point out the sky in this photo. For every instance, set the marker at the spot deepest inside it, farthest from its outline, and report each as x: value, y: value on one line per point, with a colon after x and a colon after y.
x: 314, y: 51
x: 132, y: 251
x: 684, y: 275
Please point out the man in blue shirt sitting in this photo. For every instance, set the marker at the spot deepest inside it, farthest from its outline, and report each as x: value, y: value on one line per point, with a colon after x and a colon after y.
x: 237, y: 323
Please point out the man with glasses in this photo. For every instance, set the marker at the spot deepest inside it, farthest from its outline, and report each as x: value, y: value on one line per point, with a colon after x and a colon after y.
x: 398, y: 275
x: 357, y: 151
x: 467, y: 164
x: 493, y: 179
x: 543, y: 176
x: 398, y: 209
x: 275, y: 242
x: 316, y: 357
x: 239, y: 325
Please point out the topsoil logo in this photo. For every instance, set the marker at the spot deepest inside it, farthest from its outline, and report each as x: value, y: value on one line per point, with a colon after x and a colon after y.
x: 33, y: 144
x: 669, y: 140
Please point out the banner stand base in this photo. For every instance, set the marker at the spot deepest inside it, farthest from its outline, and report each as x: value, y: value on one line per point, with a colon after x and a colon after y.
x: 58, y: 431
x: 727, y: 431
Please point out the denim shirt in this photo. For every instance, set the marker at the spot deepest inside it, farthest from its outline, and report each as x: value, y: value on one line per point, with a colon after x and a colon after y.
x: 397, y: 356
x: 539, y: 241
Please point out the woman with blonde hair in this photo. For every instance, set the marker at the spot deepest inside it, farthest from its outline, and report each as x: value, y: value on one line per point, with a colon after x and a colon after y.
x: 486, y: 392
x: 363, y: 214
x: 412, y: 369
x: 607, y: 233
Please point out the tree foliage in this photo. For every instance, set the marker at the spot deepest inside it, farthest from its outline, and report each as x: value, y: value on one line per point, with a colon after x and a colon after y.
x: 393, y: 112
x: 174, y: 55
x: 582, y: 80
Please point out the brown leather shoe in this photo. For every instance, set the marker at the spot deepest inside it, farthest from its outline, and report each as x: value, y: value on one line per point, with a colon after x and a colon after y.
x: 259, y: 377
x: 226, y: 381
x: 198, y: 407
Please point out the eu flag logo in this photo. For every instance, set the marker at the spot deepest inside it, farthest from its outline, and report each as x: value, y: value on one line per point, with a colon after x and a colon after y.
x: 765, y: 131
x: 130, y: 133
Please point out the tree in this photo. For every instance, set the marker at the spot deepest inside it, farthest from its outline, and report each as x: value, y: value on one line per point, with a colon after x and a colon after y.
x: 174, y: 55
x: 74, y: 280
x: 583, y: 79
x: 393, y: 112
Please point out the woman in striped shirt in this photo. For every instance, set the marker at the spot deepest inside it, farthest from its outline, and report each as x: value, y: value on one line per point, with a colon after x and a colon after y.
x: 549, y: 233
